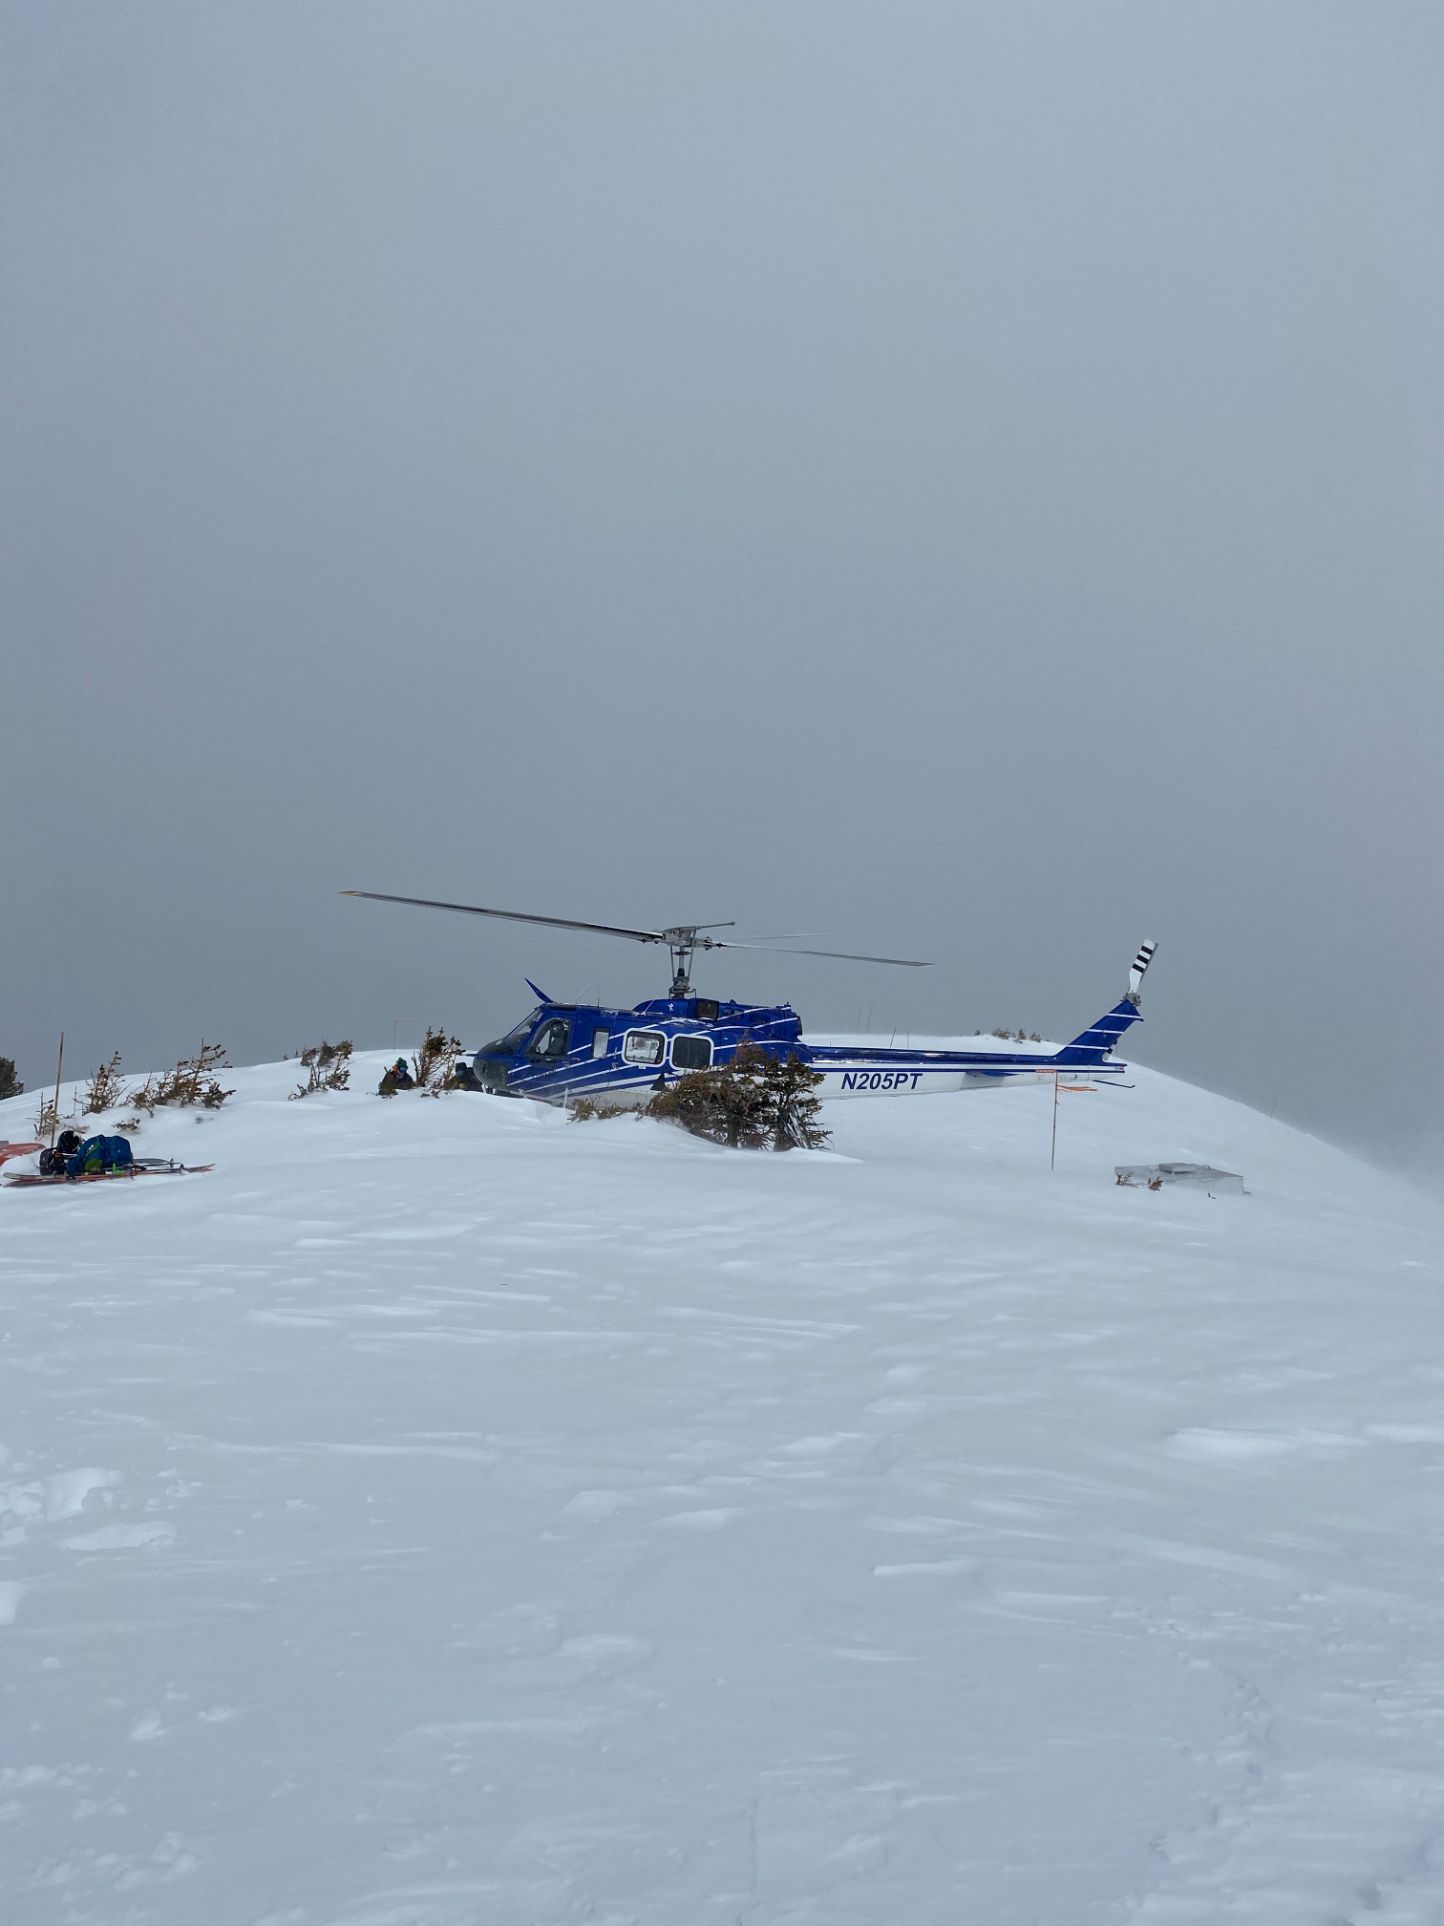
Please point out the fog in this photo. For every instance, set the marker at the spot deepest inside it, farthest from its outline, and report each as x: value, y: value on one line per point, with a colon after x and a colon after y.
x: 948, y: 480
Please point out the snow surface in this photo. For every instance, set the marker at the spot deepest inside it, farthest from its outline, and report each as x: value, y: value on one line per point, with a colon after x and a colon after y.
x: 449, y: 1515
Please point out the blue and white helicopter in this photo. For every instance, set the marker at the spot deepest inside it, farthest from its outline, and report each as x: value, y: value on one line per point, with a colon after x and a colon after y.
x: 567, y: 1050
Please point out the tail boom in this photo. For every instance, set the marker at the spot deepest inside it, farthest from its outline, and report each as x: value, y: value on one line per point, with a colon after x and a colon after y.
x: 858, y: 1070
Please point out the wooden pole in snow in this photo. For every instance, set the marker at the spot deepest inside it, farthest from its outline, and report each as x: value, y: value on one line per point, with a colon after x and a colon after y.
x: 55, y: 1107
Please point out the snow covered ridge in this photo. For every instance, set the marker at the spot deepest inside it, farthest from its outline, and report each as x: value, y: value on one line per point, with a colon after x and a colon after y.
x: 448, y: 1515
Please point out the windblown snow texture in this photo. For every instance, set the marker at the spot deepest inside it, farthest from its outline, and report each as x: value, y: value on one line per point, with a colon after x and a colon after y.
x: 447, y: 1515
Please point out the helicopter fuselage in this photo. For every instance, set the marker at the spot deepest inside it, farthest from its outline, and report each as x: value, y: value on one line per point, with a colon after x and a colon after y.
x: 563, y: 1052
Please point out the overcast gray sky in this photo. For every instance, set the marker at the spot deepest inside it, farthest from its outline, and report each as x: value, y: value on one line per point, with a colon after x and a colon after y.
x: 960, y: 480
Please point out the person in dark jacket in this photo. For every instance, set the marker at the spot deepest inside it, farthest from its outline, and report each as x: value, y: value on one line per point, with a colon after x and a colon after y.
x: 398, y: 1077
x: 52, y: 1161
x: 463, y: 1077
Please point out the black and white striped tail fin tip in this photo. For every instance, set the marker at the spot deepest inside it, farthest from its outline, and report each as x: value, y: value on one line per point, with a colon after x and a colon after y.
x: 1140, y: 965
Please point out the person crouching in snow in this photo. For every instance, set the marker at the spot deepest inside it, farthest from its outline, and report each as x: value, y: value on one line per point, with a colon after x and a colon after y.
x: 398, y: 1077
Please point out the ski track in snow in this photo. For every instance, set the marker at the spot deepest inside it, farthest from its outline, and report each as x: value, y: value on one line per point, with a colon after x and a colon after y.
x: 447, y: 1515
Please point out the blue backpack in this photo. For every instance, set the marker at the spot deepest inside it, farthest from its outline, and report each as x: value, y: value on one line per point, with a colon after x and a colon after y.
x: 119, y: 1152
x: 100, y: 1154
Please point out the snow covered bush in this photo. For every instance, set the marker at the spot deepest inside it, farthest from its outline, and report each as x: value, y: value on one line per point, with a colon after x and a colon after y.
x: 327, y: 1066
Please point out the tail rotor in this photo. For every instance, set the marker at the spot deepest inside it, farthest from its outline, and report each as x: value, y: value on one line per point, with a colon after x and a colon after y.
x: 1140, y: 965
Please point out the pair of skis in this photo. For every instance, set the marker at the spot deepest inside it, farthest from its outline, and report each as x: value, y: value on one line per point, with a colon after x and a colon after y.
x: 142, y: 1167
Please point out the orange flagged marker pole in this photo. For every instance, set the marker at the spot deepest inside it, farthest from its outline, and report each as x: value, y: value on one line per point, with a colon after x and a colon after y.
x: 1083, y: 1090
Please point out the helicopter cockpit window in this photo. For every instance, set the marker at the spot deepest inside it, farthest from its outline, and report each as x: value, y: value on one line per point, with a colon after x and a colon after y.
x: 515, y: 1039
x: 692, y: 1053
x: 552, y: 1039
x: 643, y: 1046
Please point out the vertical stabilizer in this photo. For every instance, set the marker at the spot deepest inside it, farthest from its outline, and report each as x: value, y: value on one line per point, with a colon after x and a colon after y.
x: 1094, y: 1043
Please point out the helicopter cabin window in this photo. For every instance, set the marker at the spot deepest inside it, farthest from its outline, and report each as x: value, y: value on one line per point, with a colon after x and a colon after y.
x: 643, y: 1046
x: 692, y: 1053
x: 706, y: 1010
x: 600, y: 1040
x: 551, y: 1040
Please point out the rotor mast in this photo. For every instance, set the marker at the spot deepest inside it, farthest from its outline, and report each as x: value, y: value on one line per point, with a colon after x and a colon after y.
x: 683, y: 941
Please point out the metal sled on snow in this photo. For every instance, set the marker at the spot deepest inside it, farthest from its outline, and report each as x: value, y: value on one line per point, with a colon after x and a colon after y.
x: 1193, y: 1176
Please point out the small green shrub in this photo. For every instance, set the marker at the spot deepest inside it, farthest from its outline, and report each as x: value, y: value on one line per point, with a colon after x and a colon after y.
x: 755, y: 1102
x: 794, y: 1108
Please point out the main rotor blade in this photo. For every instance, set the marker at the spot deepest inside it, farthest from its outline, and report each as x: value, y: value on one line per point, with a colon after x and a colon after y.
x: 841, y: 956
x: 512, y: 916
x: 669, y: 937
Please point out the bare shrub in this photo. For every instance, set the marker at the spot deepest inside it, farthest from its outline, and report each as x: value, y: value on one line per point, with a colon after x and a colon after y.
x: 592, y: 1110
x: 327, y: 1066
x: 106, y: 1089
x: 192, y: 1081
x: 435, y: 1061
